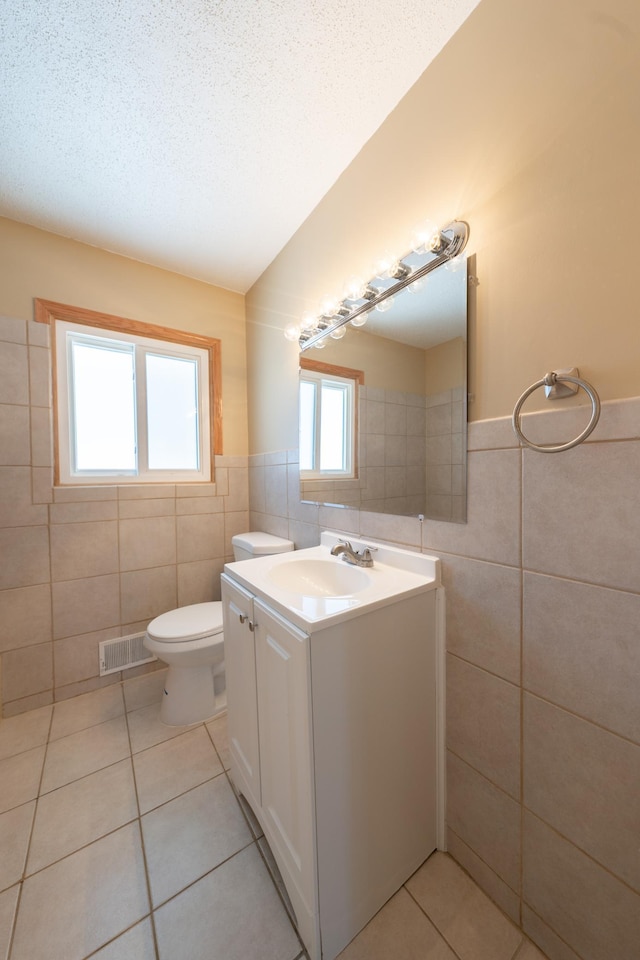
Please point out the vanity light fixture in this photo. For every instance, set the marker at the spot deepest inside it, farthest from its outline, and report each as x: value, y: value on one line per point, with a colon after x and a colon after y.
x: 360, y: 298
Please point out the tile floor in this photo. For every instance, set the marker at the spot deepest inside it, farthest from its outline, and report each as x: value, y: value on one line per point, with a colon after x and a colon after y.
x: 122, y: 839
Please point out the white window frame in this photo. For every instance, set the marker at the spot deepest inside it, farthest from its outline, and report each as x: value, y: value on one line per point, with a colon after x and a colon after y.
x: 64, y: 332
x: 350, y: 384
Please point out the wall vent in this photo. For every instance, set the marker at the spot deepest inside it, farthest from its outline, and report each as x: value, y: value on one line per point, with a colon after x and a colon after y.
x: 122, y: 653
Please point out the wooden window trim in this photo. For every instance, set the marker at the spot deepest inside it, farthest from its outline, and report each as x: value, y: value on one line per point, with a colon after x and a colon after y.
x: 48, y: 311
x: 332, y: 368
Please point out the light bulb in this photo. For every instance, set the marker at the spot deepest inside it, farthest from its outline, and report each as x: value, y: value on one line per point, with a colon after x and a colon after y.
x: 292, y: 331
x: 321, y: 344
x: 310, y: 321
x: 384, y: 264
x: 397, y: 270
x: 385, y: 305
x: 422, y: 236
x: 354, y: 288
x: 417, y: 285
x: 329, y: 305
x: 360, y: 320
x: 339, y: 332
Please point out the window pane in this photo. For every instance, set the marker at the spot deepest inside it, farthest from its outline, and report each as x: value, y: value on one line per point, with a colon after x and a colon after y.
x: 332, y: 427
x: 103, y: 407
x: 172, y: 413
x: 307, y: 424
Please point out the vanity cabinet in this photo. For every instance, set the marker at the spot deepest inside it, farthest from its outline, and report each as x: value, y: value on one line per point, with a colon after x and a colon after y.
x: 240, y: 669
x: 267, y: 667
x: 332, y: 736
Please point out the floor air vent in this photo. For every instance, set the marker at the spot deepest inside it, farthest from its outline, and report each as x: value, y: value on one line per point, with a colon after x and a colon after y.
x: 122, y: 653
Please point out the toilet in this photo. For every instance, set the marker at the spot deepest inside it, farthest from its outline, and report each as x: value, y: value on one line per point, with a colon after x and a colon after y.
x: 190, y: 641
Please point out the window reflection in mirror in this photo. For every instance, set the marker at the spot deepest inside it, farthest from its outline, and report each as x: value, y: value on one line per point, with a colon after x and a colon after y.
x: 328, y: 421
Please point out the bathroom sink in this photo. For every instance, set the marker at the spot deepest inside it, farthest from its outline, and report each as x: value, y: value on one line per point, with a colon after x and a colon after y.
x: 319, y: 578
x: 312, y: 589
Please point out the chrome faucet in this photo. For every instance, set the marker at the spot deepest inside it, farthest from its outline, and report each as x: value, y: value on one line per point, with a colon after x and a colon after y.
x: 360, y: 558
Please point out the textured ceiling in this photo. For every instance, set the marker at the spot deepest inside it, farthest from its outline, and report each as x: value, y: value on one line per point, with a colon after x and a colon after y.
x: 197, y: 135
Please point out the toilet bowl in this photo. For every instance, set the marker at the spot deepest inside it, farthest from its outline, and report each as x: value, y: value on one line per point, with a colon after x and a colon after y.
x: 191, y: 642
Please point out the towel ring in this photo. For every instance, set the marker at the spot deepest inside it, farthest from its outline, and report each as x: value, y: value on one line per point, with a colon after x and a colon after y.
x: 548, y: 381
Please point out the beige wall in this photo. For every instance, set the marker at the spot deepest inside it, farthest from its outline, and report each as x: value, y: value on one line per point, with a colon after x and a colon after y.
x: 445, y: 366
x: 386, y: 364
x: 526, y: 126
x: 34, y: 263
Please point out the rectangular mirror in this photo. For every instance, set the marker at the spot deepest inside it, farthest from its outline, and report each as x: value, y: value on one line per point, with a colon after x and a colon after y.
x: 409, y: 435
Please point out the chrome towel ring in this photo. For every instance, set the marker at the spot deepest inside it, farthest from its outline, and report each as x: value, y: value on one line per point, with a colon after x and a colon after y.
x: 549, y: 380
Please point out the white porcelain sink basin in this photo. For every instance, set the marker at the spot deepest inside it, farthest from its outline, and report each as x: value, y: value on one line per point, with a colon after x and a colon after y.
x: 313, y: 589
x: 319, y: 578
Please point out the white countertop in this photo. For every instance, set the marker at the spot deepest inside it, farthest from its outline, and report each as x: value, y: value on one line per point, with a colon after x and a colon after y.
x: 396, y: 574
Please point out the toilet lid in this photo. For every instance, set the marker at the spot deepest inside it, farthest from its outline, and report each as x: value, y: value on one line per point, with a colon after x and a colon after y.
x: 187, y: 623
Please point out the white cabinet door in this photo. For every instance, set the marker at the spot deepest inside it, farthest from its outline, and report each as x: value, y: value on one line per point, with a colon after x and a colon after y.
x: 284, y: 715
x: 240, y: 668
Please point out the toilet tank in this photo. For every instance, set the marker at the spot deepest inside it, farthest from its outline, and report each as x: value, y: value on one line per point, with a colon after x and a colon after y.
x: 258, y: 544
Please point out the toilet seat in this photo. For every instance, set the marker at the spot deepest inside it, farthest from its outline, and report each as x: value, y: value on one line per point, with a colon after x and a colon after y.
x: 187, y: 623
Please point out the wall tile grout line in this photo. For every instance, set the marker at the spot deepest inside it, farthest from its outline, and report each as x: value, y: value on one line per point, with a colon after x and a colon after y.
x: 489, y: 867
x: 579, y: 956
x: 585, y: 853
x: 478, y: 666
x: 484, y: 777
x: 581, y: 716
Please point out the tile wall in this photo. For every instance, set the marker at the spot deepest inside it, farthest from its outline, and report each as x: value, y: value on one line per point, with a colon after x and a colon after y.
x: 82, y: 565
x: 543, y: 637
x: 392, y: 450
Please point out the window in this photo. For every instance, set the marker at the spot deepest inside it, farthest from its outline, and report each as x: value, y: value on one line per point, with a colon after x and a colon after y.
x: 328, y: 419
x: 135, y: 403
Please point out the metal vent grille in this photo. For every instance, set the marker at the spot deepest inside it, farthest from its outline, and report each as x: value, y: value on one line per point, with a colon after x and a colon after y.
x: 122, y: 653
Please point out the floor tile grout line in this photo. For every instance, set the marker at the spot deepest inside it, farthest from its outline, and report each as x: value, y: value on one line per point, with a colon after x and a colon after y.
x: 28, y: 850
x: 175, y: 736
x: 256, y: 840
x: 207, y: 873
x: 89, y: 726
x: 141, y: 835
x: 433, y: 923
x: 84, y: 846
x: 34, y: 746
x: 84, y: 776
x: 277, y: 889
x: 37, y: 804
x: 505, y: 916
x: 211, y: 737
x: 108, y: 943
x: 178, y: 796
